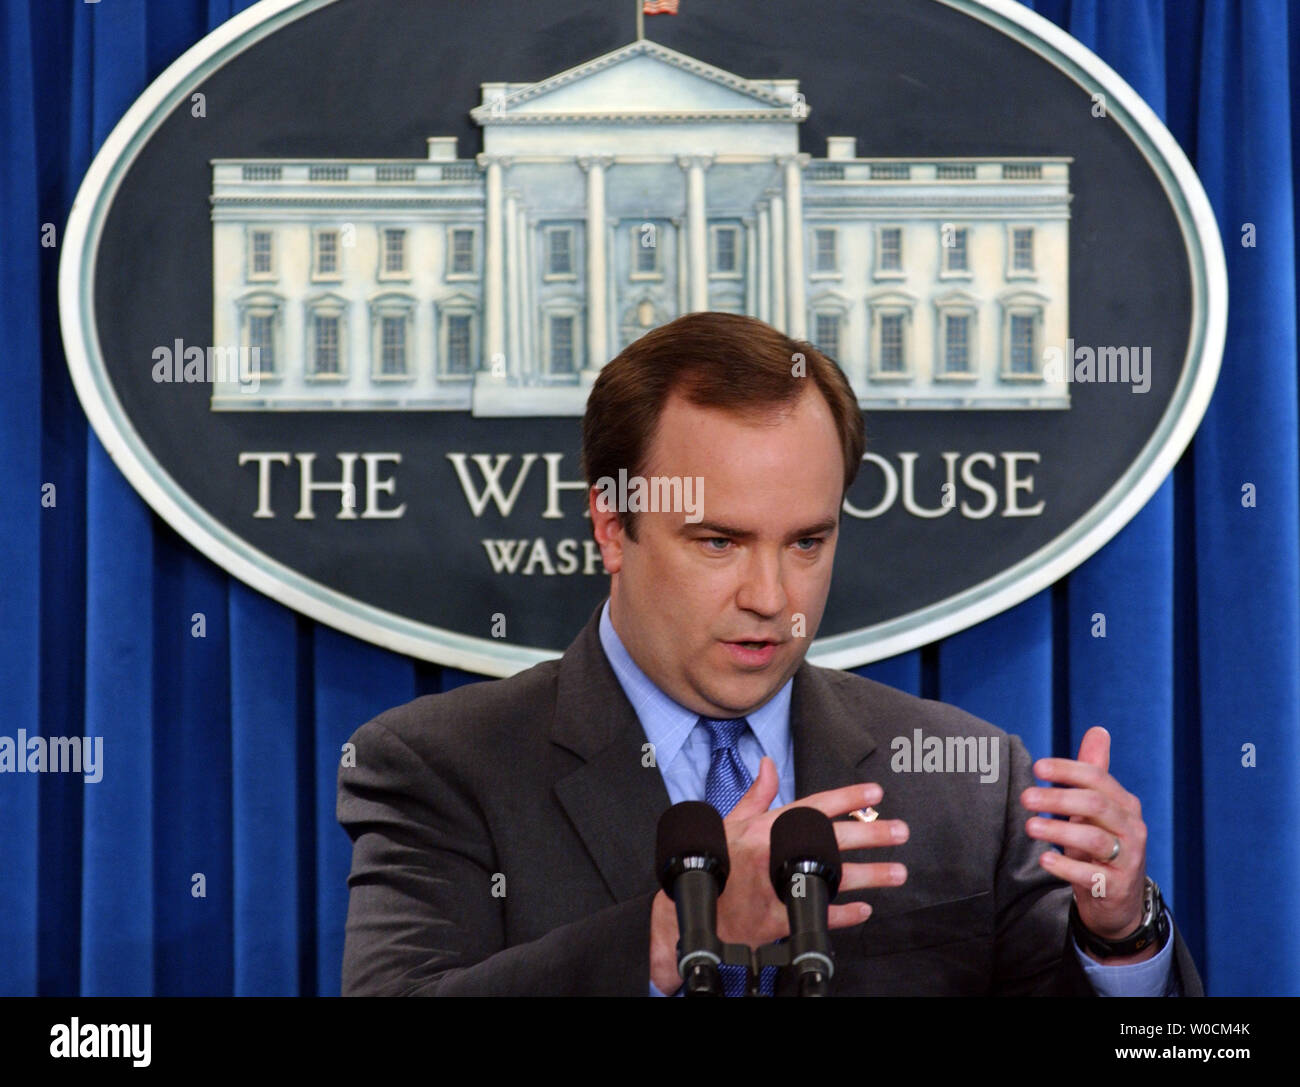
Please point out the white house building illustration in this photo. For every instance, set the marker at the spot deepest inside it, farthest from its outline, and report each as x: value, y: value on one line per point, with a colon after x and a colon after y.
x: 612, y: 198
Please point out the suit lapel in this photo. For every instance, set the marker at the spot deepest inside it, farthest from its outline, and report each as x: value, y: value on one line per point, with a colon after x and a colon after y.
x: 832, y: 745
x: 613, y: 799
x: 831, y: 735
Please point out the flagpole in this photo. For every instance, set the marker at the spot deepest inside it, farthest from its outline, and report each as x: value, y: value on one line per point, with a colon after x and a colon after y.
x: 640, y: 19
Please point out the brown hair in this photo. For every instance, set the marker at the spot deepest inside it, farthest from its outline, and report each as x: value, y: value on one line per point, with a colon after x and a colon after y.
x: 717, y: 360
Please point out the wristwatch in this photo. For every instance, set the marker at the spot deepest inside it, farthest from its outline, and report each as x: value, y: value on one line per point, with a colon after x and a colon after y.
x: 1154, y: 929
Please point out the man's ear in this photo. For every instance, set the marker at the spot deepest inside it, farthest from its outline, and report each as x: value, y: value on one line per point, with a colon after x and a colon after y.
x: 607, y: 528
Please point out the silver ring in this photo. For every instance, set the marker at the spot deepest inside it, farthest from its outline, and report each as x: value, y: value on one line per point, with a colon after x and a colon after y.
x: 1113, y: 853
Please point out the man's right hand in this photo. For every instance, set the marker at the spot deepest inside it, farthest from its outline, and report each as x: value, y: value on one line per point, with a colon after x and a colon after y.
x: 749, y: 911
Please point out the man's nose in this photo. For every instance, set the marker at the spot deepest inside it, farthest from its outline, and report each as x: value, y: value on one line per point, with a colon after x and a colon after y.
x: 762, y: 589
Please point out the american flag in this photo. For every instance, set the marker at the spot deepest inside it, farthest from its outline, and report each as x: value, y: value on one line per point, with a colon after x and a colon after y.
x: 660, y: 7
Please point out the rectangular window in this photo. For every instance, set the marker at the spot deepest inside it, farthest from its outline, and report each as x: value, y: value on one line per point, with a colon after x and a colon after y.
x: 647, y: 252
x: 327, y: 253
x: 826, y: 259
x: 891, y: 249
x: 1022, y: 249
x: 462, y: 252
x: 326, y: 332
x: 891, y: 343
x: 392, y: 357
x: 394, y: 251
x: 261, y: 337
x: 559, y: 259
x: 561, y: 345
x: 458, y: 344
x: 956, y: 251
x: 261, y: 252
x: 1022, y: 344
x: 956, y: 343
x: 828, y: 334
x: 724, y: 249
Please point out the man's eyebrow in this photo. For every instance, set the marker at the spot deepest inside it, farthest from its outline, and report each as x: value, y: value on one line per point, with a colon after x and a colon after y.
x: 720, y: 529
x: 817, y: 529
x: 716, y: 527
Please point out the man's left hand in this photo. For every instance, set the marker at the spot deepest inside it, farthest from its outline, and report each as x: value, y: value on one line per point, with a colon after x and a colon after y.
x: 1108, y: 885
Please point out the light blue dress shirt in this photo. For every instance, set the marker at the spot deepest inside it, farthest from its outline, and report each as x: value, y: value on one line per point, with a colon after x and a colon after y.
x: 683, y: 750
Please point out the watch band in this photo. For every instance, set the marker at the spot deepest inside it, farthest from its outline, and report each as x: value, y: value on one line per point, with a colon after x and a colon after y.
x: 1154, y: 928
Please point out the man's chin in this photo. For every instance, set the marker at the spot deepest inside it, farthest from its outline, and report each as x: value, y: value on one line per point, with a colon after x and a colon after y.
x: 736, y: 696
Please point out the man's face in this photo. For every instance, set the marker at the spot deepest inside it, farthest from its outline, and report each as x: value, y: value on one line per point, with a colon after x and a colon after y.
x: 685, y: 597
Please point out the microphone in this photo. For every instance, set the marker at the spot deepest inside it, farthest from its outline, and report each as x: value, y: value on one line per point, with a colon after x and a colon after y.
x: 805, y: 870
x: 692, y: 864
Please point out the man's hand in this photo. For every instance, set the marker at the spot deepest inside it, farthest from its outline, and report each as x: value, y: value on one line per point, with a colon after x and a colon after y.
x: 749, y: 911
x: 1107, y: 892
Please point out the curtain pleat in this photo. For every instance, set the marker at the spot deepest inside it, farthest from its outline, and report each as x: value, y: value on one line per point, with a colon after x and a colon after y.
x: 20, y: 542
x: 270, y: 753
x: 1001, y: 671
x: 1247, y: 568
x: 1120, y: 652
x: 209, y: 861
x: 353, y: 682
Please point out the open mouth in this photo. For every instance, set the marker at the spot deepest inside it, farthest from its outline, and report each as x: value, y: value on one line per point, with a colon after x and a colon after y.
x: 765, y: 644
x: 752, y: 654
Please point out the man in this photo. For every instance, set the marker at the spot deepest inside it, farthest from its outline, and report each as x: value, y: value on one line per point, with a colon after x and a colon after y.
x: 504, y: 832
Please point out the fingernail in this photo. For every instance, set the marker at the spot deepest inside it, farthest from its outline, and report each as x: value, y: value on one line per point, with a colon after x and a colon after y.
x: 866, y: 910
x: 898, y: 832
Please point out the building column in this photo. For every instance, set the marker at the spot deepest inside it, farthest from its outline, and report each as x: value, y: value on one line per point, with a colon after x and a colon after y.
x: 681, y: 244
x: 697, y: 229
x: 796, y: 310
x: 751, y: 268
x: 611, y: 289
x: 493, y: 264
x: 527, y: 302
x: 777, y: 205
x: 597, y: 300
x: 513, y: 264
x: 764, y: 263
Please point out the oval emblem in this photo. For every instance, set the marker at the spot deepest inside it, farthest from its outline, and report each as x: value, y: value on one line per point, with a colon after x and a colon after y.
x: 334, y: 290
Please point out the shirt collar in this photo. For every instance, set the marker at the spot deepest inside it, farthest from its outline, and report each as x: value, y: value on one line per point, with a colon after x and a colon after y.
x: 667, y: 724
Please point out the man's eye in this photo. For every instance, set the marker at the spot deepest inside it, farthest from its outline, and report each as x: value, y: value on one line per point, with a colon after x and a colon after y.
x: 710, y: 540
x: 812, y: 541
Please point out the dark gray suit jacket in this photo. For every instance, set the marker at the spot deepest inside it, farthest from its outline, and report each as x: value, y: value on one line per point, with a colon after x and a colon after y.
x: 504, y: 842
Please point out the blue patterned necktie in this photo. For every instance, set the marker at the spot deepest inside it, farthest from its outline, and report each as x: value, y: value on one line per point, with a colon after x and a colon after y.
x: 727, y: 782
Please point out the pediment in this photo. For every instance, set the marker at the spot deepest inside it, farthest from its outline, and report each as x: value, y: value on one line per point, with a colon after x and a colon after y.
x: 642, y: 79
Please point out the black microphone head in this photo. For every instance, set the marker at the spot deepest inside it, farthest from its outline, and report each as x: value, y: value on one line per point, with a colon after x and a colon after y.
x: 691, y: 836
x: 803, y: 840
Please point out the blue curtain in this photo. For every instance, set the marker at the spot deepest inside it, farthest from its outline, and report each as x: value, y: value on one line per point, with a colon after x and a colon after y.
x: 222, y: 750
